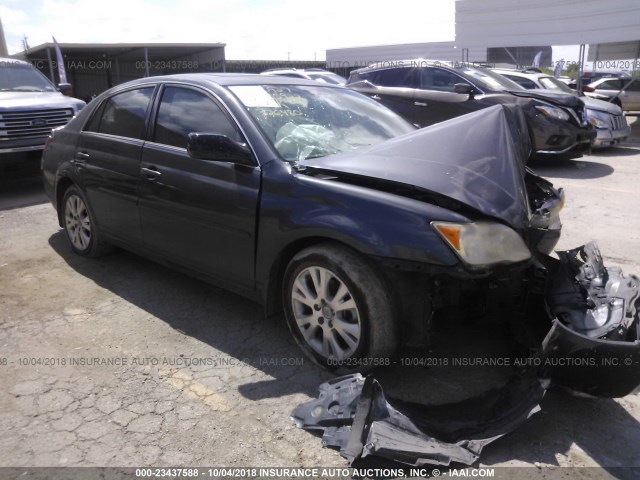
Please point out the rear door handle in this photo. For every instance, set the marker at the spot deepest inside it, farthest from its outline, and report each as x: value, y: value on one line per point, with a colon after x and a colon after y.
x: 150, y: 172
x: 420, y: 104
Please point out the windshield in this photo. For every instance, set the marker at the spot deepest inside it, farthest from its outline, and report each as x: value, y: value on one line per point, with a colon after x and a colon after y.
x: 488, y: 80
x: 551, y: 83
x: 18, y: 77
x: 307, y: 122
x: 328, y: 78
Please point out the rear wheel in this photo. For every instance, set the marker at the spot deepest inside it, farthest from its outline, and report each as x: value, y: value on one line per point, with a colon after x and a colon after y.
x: 338, y: 309
x: 79, y: 224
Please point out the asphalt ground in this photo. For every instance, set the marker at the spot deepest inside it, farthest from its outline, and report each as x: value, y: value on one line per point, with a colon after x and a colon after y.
x: 121, y: 362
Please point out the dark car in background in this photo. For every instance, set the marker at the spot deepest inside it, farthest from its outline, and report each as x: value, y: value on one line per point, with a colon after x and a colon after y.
x: 607, y: 117
x: 318, y: 201
x: 427, y: 92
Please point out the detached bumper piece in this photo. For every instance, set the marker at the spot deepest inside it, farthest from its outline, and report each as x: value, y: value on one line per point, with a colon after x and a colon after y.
x: 357, y: 418
x: 594, y: 343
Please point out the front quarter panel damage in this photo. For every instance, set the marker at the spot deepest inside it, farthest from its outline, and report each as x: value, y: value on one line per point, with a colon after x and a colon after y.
x: 589, y: 342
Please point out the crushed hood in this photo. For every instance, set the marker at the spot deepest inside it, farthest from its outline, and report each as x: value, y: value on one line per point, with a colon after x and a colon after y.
x: 556, y: 98
x: 602, y: 106
x: 477, y: 159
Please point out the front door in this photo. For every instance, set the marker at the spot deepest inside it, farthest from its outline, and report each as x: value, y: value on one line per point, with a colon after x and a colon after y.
x: 198, y: 213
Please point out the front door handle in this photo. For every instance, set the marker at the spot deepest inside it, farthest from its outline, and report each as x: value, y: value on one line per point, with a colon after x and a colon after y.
x: 150, y: 172
x: 81, y: 157
x: 420, y: 104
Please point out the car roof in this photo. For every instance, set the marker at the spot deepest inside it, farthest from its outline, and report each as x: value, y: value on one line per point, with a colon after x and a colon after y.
x: 296, y: 70
x: 223, y: 79
x: 604, y: 79
x: 520, y: 73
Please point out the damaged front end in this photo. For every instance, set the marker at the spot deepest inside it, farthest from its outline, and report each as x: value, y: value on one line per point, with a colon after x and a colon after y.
x: 588, y: 340
x: 594, y: 342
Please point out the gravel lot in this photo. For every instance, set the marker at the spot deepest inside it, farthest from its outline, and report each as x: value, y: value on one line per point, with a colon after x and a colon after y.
x: 121, y: 362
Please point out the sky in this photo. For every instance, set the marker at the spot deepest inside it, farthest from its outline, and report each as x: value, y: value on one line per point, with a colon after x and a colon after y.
x: 251, y: 29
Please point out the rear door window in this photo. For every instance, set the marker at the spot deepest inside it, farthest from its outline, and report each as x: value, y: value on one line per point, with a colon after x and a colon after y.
x: 123, y: 114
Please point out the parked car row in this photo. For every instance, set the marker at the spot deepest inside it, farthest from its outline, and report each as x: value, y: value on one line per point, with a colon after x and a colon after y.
x: 428, y: 92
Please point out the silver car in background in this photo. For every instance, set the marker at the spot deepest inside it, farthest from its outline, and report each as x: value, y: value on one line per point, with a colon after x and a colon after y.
x: 625, y: 90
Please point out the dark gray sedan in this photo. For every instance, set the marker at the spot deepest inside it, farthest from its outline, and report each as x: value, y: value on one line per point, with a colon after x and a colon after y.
x: 317, y: 201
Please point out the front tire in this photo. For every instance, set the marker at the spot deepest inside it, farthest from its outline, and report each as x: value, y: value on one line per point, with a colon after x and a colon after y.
x: 79, y: 224
x: 338, y: 309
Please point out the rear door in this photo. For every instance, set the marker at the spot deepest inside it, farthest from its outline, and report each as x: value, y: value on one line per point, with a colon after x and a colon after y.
x: 108, y: 160
x: 198, y: 213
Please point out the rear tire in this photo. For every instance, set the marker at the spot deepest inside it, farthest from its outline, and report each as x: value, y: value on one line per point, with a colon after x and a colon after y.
x: 79, y: 225
x: 338, y: 309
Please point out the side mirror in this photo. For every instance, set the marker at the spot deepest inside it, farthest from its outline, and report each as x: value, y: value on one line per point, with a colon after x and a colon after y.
x: 463, y: 88
x: 213, y: 146
x: 65, y: 89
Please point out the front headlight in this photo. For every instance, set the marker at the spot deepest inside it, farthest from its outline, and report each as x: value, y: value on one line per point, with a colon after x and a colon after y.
x: 553, y: 112
x: 598, y: 119
x: 481, y: 244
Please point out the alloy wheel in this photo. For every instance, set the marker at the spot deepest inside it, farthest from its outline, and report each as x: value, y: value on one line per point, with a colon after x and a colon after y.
x: 77, y: 222
x: 326, y: 313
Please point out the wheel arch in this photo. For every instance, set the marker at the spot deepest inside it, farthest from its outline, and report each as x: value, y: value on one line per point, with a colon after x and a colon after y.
x: 273, y: 291
x: 62, y: 186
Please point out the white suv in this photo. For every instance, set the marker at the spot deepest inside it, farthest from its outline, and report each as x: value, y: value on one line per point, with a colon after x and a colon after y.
x: 30, y: 107
x: 609, y: 119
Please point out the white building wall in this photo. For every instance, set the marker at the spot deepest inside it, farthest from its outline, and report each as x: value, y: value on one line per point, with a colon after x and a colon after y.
x: 499, y: 23
x: 362, y: 56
